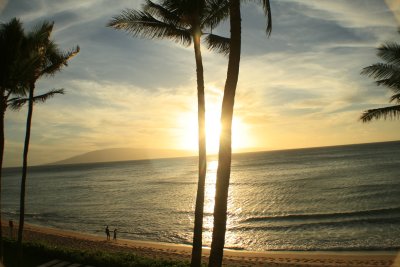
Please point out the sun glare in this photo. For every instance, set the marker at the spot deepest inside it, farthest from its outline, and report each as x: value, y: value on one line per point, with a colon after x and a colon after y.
x: 213, y: 128
x: 209, y: 198
x: 240, y: 137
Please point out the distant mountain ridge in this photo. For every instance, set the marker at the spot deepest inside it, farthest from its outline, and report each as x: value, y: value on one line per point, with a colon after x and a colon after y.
x: 123, y: 154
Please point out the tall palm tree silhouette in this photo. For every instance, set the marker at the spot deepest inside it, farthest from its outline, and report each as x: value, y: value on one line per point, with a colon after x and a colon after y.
x: 183, y: 21
x: 225, y: 145
x: 387, y: 74
x: 11, y: 40
x: 44, y: 58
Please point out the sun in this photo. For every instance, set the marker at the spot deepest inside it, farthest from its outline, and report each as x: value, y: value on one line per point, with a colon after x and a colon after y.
x: 240, y: 136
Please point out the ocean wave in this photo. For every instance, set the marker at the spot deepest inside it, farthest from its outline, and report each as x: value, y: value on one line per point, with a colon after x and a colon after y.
x: 318, y: 216
x: 10, y: 213
x: 170, y: 182
x: 318, y: 225
x: 38, y: 216
x: 29, y: 214
x: 341, y: 248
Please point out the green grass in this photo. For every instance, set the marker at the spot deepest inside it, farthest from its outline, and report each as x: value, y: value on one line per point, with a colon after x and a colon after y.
x: 36, y: 253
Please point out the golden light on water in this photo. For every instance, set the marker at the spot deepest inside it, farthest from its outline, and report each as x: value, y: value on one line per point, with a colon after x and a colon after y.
x: 209, y: 201
x: 209, y: 196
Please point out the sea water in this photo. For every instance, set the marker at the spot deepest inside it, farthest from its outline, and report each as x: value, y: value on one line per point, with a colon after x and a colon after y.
x: 331, y: 198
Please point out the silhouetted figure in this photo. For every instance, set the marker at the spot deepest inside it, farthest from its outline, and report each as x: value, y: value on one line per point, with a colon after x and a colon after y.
x: 115, y: 234
x: 11, y: 225
x: 108, y: 233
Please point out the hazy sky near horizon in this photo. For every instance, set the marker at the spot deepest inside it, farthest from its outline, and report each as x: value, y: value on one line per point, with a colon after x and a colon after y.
x: 299, y: 88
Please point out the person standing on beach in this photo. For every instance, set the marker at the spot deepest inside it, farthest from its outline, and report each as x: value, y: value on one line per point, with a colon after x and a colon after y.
x: 115, y: 234
x: 108, y: 233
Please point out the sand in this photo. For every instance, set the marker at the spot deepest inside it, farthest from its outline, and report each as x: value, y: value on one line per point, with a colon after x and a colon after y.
x: 231, y: 257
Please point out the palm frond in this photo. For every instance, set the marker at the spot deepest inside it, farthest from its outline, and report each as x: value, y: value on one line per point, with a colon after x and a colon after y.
x: 40, y: 36
x: 11, y: 40
x: 18, y: 90
x: 44, y: 97
x: 26, y: 67
x: 267, y: 11
x: 12, y: 28
x: 218, y: 43
x: 163, y: 13
x: 215, y: 12
x: 392, y: 83
x: 184, y: 9
x: 388, y: 75
x: 18, y: 103
x: 386, y: 112
x: 381, y: 71
x: 43, y: 57
x: 395, y: 98
x: 390, y: 52
x: 11, y: 100
x: 144, y: 25
x: 56, y: 60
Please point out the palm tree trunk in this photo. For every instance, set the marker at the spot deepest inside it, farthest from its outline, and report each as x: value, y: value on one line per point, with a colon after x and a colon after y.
x: 199, y: 209
x: 225, y: 147
x: 2, y: 112
x: 24, y: 172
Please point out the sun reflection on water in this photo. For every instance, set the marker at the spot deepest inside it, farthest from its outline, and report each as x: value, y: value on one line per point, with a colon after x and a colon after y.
x: 210, y: 187
x: 209, y: 200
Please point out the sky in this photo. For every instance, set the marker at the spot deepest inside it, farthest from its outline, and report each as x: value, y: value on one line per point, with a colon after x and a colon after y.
x: 301, y: 87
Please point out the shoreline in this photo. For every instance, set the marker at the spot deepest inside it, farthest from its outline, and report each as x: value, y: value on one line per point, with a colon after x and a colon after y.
x: 181, y: 252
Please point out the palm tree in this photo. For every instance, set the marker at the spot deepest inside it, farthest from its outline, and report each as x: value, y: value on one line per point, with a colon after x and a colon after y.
x: 183, y: 21
x: 387, y: 74
x: 225, y: 145
x: 11, y: 39
x: 44, y: 59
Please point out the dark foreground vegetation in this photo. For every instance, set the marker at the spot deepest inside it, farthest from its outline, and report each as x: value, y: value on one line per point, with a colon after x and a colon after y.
x: 36, y: 253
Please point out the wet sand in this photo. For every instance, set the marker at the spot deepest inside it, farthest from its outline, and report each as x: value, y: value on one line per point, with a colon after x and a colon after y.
x: 168, y: 251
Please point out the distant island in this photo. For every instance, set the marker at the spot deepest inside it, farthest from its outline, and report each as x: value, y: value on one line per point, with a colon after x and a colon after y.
x: 123, y: 154
x: 127, y: 154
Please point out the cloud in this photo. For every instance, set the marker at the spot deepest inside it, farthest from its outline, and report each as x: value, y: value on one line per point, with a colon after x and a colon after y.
x: 299, y: 87
x: 3, y: 4
x: 370, y: 13
x: 394, y: 6
x: 106, y: 115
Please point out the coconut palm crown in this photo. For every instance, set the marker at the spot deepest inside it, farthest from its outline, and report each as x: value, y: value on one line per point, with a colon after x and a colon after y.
x: 177, y: 20
x: 386, y: 74
x: 11, y: 73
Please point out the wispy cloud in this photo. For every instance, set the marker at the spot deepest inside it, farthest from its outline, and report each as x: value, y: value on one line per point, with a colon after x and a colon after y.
x: 300, y: 87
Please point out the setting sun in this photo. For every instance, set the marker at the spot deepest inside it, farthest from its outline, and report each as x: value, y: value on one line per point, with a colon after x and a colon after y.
x: 188, y: 121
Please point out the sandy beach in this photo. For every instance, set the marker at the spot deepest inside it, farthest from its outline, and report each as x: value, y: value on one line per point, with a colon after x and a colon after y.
x: 231, y: 257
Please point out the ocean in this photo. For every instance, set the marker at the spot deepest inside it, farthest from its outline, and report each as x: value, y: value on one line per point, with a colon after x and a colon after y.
x: 329, y: 198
